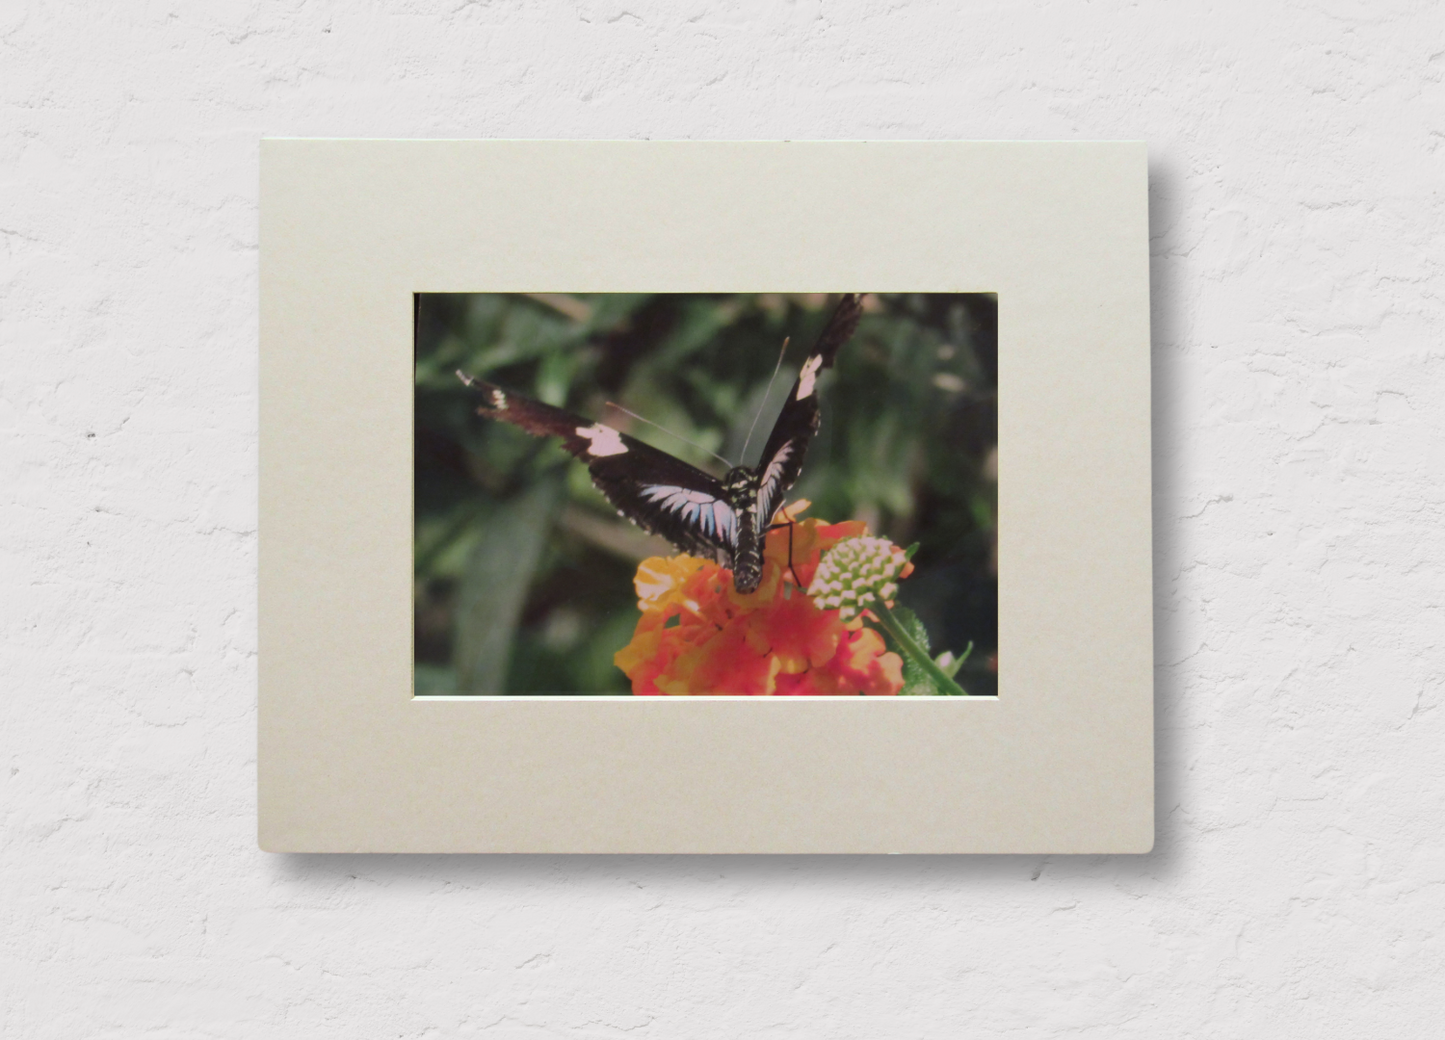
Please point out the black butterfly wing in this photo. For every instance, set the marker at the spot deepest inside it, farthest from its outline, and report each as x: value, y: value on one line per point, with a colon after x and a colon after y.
x: 659, y: 493
x: 782, y: 458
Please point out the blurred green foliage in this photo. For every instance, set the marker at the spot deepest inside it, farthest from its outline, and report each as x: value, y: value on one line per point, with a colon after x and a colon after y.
x: 524, y: 571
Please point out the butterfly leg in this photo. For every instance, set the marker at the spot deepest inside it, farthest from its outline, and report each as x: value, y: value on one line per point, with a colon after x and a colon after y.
x: 789, y: 525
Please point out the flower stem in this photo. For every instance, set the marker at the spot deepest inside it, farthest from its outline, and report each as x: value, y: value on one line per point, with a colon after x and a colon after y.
x: 942, y: 680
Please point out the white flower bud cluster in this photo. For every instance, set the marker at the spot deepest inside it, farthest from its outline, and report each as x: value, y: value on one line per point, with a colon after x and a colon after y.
x: 855, y: 572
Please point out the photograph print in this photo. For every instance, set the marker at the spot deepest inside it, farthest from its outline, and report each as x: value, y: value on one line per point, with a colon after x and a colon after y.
x: 750, y: 494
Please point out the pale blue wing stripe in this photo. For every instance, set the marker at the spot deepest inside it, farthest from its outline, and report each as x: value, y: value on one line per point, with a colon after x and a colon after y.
x: 711, y: 516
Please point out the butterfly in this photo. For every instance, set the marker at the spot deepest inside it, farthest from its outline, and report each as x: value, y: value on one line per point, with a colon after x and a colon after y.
x: 724, y: 520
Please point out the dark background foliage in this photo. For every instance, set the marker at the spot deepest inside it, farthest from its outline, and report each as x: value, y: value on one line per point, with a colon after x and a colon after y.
x: 523, y: 570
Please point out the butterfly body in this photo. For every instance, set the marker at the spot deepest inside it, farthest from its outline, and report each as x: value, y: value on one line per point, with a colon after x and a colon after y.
x: 725, y: 520
x: 743, y: 487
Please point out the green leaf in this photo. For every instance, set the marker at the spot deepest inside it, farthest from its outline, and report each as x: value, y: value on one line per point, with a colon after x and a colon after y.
x: 610, y: 310
x: 431, y: 680
x: 698, y: 325
x: 494, y: 585
x: 916, y: 680
x: 436, y: 540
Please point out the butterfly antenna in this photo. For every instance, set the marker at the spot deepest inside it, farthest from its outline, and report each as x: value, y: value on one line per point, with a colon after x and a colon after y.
x: 759, y: 413
x: 664, y: 429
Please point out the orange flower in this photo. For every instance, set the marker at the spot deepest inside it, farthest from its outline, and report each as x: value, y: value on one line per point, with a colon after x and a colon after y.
x: 699, y: 635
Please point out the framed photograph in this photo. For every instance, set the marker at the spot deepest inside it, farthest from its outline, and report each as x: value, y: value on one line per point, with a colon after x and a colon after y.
x: 692, y: 554
x: 705, y: 497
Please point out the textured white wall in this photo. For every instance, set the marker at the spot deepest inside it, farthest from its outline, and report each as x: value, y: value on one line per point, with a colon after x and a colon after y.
x: 1298, y: 884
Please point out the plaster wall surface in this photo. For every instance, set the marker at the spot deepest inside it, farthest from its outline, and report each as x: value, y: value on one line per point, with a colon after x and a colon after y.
x: 1298, y: 236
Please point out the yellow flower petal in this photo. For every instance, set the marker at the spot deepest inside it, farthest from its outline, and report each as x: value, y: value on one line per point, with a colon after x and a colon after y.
x: 659, y: 581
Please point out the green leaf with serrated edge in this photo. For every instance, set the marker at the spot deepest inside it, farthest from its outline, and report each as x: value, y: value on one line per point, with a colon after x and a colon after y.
x: 916, y: 681
x: 908, y: 553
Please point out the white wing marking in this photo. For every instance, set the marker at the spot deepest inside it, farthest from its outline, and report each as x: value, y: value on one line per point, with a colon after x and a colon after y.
x: 604, y: 440
x: 775, y: 467
x: 722, y: 515
x: 809, y: 374
x: 768, y: 486
x: 712, y: 516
